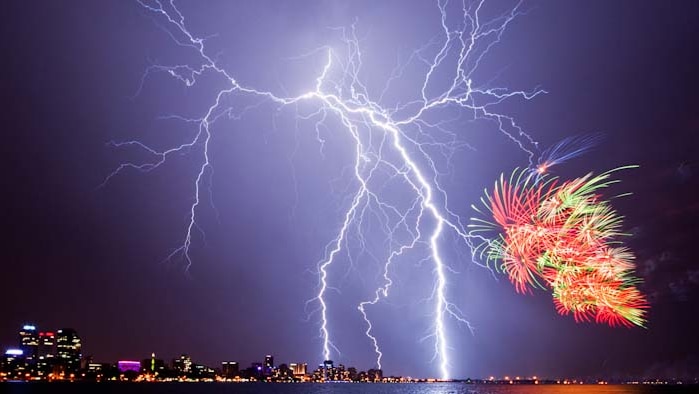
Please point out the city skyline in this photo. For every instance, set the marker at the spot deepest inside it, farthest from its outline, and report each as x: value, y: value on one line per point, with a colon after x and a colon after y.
x: 39, y: 356
x: 300, y: 181
x: 57, y: 356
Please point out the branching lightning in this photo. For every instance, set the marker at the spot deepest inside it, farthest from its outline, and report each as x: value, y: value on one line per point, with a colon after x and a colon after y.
x: 399, y: 141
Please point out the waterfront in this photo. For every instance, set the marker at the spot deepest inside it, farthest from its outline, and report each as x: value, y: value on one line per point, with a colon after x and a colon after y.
x: 342, y: 388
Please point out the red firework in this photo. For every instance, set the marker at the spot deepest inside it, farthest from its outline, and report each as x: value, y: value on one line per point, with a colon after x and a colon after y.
x: 564, y: 237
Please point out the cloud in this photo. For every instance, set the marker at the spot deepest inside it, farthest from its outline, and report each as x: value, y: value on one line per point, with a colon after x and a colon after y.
x: 683, y: 287
x: 647, y: 267
x: 685, y: 368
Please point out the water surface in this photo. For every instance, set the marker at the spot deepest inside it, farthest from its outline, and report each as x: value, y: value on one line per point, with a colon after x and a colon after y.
x: 326, y: 388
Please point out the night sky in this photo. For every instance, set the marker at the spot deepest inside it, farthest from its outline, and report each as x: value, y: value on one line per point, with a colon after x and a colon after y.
x: 77, y: 254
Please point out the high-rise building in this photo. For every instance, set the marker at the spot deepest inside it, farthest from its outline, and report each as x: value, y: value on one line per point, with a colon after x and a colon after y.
x: 230, y: 369
x: 182, y: 364
x: 68, y: 350
x: 14, y: 364
x: 153, y: 365
x: 203, y: 372
x: 299, y: 369
x: 256, y: 370
x: 328, y: 369
x: 47, y: 353
x: 268, y: 365
x: 47, y: 344
x: 375, y: 375
x: 352, y: 373
x: 29, y: 343
x: 341, y: 373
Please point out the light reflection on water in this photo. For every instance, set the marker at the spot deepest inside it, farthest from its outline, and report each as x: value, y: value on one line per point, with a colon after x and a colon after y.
x: 341, y: 388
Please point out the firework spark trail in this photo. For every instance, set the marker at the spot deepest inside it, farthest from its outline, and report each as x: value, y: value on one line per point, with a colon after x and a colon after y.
x: 469, y: 40
x: 565, y: 150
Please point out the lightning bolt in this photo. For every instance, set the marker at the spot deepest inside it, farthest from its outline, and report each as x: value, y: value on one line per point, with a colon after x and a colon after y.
x: 397, y: 141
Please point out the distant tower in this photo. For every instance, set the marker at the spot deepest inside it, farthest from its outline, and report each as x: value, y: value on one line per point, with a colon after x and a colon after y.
x: 152, y: 365
x: 375, y: 375
x: 29, y: 343
x: 47, y: 344
x: 68, y: 350
x: 269, y: 364
x: 13, y: 364
x: 230, y: 369
x: 47, y: 353
x: 299, y: 369
x: 328, y: 366
x: 183, y: 364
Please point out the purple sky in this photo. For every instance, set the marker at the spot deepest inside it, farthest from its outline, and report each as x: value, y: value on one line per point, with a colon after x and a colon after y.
x: 91, y: 258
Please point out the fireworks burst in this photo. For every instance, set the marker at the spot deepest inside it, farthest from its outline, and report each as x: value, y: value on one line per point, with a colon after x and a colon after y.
x: 565, y: 237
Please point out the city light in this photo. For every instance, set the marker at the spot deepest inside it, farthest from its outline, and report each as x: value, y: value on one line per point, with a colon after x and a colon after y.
x: 17, y: 367
x: 308, y: 189
x: 125, y: 366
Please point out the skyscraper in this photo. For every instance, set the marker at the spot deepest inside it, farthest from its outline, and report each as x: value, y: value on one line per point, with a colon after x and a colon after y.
x: 153, y: 365
x: 183, y: 364
x: 47, y: 344
x: 299, y: 369
x: 29, y: 343
x: 328, y: 369
x: 328, y: 364
x: 47, y: 353
x: 14, y: 364
x: 68, y: 350
x: 230, y: 369
x: 268, y: 365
